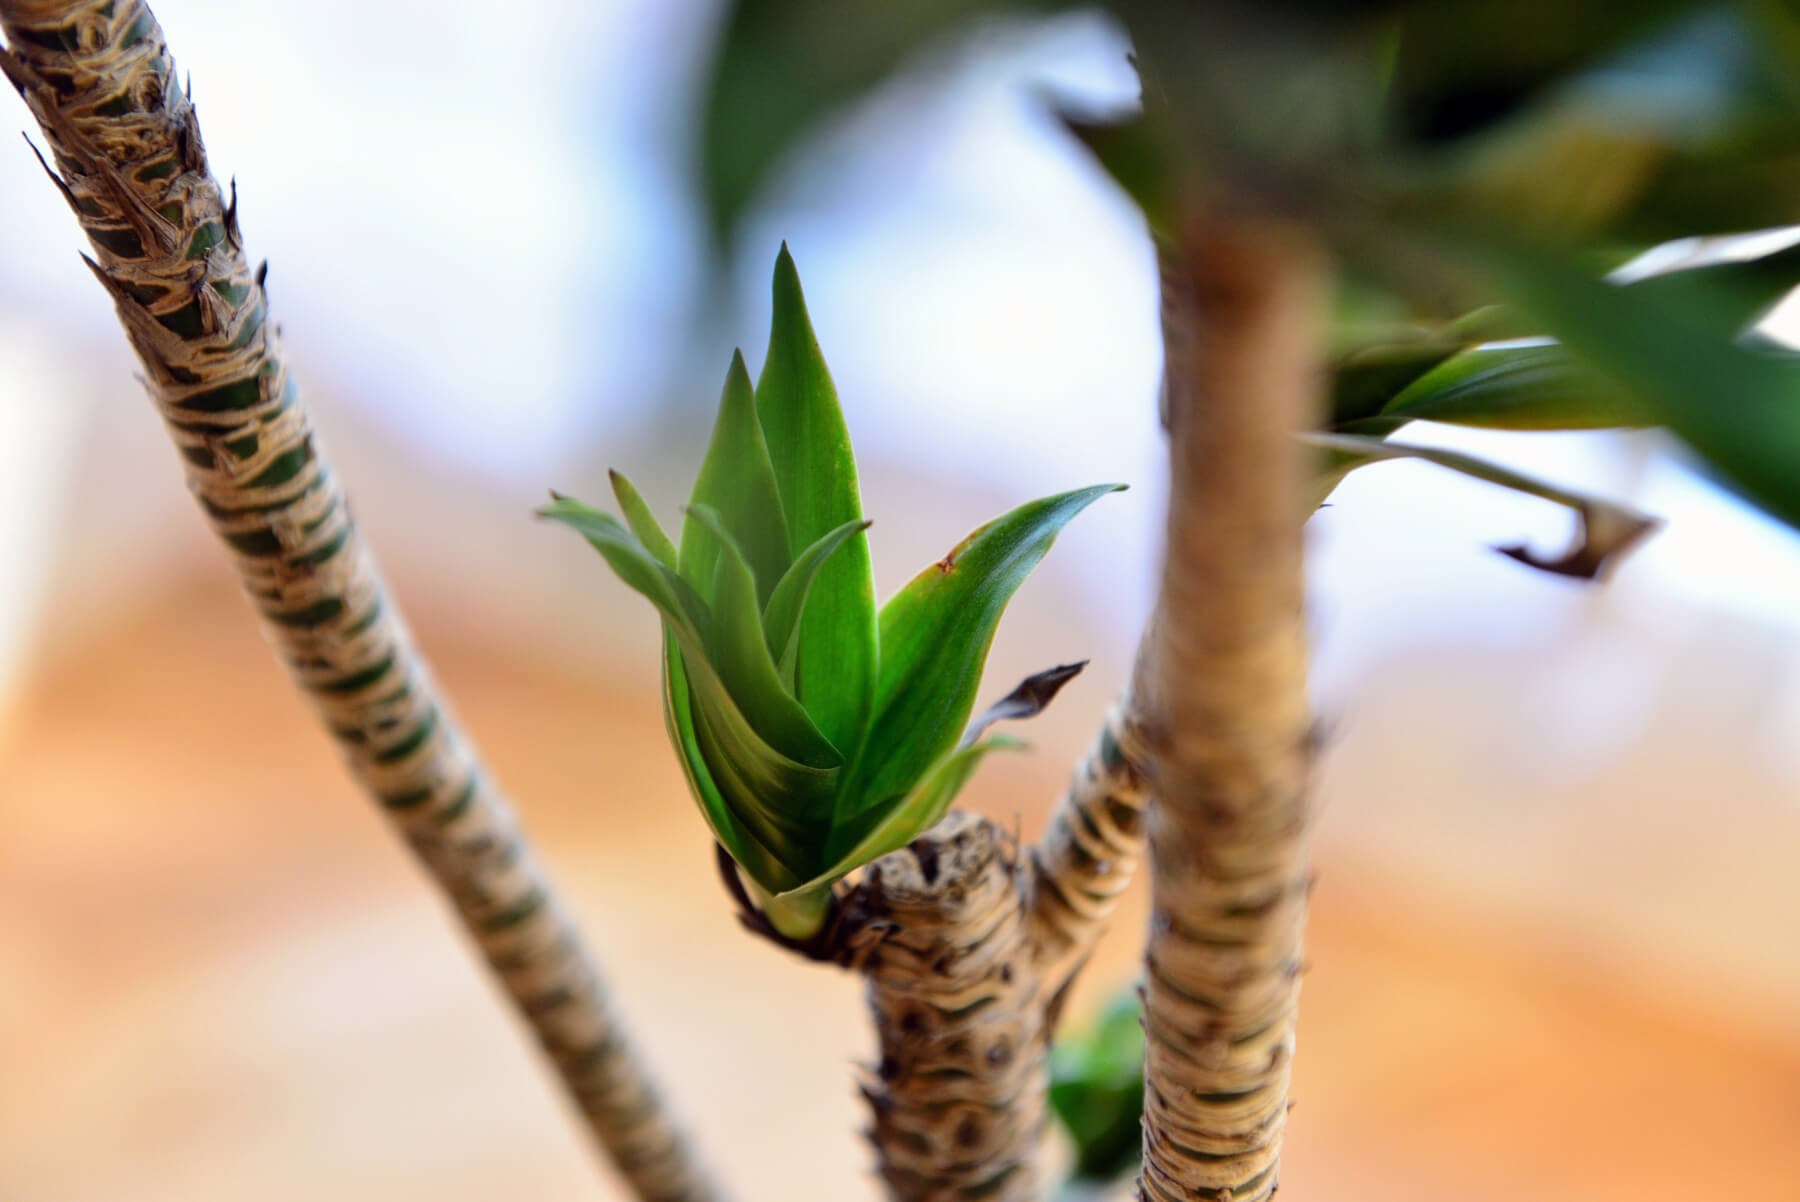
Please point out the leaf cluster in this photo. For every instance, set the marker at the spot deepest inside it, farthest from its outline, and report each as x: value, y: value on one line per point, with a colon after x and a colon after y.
x: 816, y: 731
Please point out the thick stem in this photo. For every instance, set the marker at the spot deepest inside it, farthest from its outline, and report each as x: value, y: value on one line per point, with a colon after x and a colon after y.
x: 959, y: 1094
x: 99, y: 79
x: 1227, y: 717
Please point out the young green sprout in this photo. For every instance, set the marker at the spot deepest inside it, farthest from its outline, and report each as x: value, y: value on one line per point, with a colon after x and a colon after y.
x: 816, y: 732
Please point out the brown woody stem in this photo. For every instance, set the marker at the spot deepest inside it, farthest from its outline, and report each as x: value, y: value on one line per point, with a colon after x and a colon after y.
x: 1226, y: 710
x: 959, y: 1093
x: 128, y: 158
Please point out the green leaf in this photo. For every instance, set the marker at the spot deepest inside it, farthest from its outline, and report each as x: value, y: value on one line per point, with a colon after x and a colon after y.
x: 766, y: 788
x: 1607, y: 529
x: 643, y: 523
x: 783, y: 66
x: 935, y: 635
x: 891, y: 827
x: 737, y: 481
x: 1672, y: 340
x: 1097, y: 1090
x: 1534, y: 386
x: 640, y: 570
x: 781, y: 618
x: 739, y: 648
x: 678, y: 716
x: 815, y: 472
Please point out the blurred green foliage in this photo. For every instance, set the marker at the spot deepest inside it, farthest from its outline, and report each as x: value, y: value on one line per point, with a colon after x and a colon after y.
x: 1457, y: 154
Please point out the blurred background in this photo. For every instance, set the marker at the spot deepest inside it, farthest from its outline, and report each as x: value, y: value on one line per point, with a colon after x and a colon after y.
x: 1553, y: 947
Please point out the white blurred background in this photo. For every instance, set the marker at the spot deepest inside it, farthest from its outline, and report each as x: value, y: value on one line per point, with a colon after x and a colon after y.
x: 490, y: 275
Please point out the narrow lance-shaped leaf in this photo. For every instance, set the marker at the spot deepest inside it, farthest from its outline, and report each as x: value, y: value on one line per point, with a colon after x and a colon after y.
x: 1673, y: 341
x: 1534, y: 384
x: 915, y: 813
x: 781, y: 618
x: 935, y: 635
x: 815, y: 471
x: 643, y: 523
x: 747, y: 769
x: 731, y: 832
x: 737, y: 481
x: 1607, y: 529
x: 739, y: 650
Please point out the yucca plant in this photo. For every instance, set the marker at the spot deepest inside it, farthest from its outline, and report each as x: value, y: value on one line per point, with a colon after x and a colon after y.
x: 816, y: 732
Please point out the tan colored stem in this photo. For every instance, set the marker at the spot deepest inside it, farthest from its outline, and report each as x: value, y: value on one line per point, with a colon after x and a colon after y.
x: 959, y: 1093
x: 1226, y: 711
x: 100, y: 81
x: 968, y: 956
x: 1088, y: 855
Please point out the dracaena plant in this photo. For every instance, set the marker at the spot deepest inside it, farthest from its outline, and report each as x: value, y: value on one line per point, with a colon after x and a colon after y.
x: 816, y: 732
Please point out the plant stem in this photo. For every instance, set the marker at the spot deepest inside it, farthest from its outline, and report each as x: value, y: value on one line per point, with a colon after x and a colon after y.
x: 1090, y: 851
x: 99, y: 79
x: 1227, y: 715
x: 960, y: 1092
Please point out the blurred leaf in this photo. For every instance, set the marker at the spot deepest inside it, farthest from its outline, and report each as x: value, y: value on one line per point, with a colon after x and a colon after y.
x: 1605, y: 529
x: 815, y: 471
x: 737, y: 482
x: 935, y: 635
x: 1029, y: 698
x: 1688, y: 129
x: 782, y: 66
x: 1509, y: 386
x: 1097, y: 1090
x: 781, y: 620
x: 1673, y: 340
x: 1136, y: 152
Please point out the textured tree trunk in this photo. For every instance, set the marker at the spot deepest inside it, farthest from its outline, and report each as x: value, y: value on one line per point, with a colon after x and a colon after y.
x: 128, y: 158
x: 968, y: 953
x: 1226, y: 714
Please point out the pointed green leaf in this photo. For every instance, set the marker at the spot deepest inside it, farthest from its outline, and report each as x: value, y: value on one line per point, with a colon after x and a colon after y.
x: 892, y: 826
x: 781, y: 619
x: 643, y: 523
x: 1673, y: 340
x: 738, y: 482
x: 815, y: 470
x: 761, y: 783
x: 678, y: 716
x: 739, y: 648
x: 1607, y: 528
x: 784, y: 810
x: 635, y: 566
x: 935, y: 635
x: 1527, y: 385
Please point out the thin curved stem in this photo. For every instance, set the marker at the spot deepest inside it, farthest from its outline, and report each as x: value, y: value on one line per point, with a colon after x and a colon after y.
x: 128, y: 158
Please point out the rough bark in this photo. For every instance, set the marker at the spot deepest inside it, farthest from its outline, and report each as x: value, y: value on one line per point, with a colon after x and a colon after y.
x: 959, y: 1092
x: 1226, y: 714
x: 1091, y: 849
x: 128, y: 158
x: 968, y: 953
